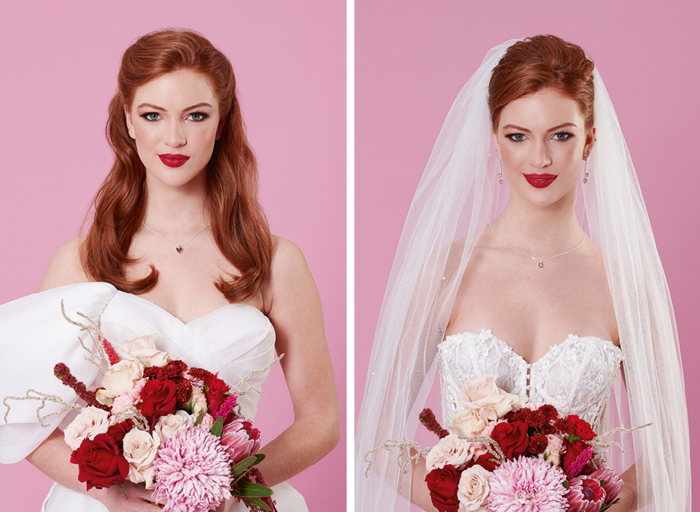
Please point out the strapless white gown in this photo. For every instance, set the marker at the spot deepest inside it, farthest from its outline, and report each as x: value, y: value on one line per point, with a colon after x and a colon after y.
x: 575, y: 376
x: 34, y: 336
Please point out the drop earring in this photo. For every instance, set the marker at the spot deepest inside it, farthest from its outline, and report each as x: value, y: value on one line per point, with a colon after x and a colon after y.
x: 585, y: 171
x: 500, y: 172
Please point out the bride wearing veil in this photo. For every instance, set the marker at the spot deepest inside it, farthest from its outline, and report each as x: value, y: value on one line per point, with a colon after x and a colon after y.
x: 554, y: 293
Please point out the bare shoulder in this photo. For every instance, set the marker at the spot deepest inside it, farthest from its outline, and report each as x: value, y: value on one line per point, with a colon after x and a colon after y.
x: 289, y: 278
x: 286, y: 257
x: 65, y: 267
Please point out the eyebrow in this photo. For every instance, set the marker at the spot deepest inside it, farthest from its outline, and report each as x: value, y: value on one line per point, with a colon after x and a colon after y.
x: 156, y: 107
x: 520, y: 128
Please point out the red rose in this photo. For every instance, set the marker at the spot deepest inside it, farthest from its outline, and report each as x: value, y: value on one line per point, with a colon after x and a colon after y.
x: 573, y: 450
x: 215, y: 391
x: 118, y: 431
x: 158, y: 398
x: 486, y: 461
x: 443, y: 484
x: 512, y: 437
x: 100, y: 462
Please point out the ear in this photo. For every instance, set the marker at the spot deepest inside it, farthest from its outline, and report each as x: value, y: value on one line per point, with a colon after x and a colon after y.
x: 129, y: 124
x: 590, y: 142
x: 220, y: 129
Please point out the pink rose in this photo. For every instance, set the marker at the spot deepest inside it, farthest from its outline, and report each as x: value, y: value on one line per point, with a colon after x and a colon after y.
x: 169, y: 425
x: 120, y: 378
x: 483, y: 393
x: 144, y: 350
x: 451, y: 450
x: 90, y: 422
x: 240, y: 439
x: 140, y: 451
x: 473, y: 490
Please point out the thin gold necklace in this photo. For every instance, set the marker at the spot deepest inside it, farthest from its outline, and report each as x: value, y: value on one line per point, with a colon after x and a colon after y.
x: 178, y: 248
x: 540, y: 260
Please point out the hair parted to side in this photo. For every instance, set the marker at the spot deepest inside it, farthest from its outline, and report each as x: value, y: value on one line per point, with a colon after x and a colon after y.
x: 237, y: 221
x: 542, y: 62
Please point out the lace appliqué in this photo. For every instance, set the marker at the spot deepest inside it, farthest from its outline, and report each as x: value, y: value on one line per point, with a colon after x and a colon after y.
x: 575, y: 376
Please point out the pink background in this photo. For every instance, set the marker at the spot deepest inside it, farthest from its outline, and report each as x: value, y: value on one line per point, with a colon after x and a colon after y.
x: 59, y: 66
x: 414, y: 56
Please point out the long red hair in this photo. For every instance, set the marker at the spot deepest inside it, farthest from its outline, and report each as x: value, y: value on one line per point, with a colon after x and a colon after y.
x: 238, y: 222
x: 538, y: 63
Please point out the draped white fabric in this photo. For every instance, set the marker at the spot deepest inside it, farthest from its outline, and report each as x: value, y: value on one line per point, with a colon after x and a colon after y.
x: 455, y: 200
x: 34, y: 336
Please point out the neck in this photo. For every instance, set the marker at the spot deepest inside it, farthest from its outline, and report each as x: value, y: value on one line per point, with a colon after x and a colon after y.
x: 176, y: 211
x: 539, y: 231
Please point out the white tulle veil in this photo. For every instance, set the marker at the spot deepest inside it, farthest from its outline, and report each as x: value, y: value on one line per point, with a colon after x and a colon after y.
x: 456, y: 198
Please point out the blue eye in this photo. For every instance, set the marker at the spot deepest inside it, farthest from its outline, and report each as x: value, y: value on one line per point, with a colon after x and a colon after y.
x: 198, y: 116
x: 563, y: 136
x: 516, y: 137
x: 151, y: 116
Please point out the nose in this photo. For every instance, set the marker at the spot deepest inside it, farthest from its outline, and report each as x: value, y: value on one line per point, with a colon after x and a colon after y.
x: 540, y: 157
x: 175, y: 136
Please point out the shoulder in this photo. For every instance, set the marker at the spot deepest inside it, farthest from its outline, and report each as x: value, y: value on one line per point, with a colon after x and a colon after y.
x: 289, y: 274
x: 286, y: 255
x: 65, y: 267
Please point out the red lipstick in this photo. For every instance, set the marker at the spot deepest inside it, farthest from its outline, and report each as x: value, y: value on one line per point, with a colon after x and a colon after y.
x: 540, y: 180
x: 173, y: 160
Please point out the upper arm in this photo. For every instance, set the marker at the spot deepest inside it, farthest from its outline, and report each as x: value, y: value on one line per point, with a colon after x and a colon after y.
x: 293, y: 304
x: 65, y: 267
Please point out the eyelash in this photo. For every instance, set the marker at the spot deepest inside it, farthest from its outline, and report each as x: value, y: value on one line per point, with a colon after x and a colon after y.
x: 202, y: 116
x: 521, y: 136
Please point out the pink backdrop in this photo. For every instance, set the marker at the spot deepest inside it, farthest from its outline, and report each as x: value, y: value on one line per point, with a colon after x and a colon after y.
x: 412, y: 59
x: 59, y: 67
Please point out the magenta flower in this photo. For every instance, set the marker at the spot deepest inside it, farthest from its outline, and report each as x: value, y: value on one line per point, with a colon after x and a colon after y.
x: 527, y: 485
x: 192, y: 471
x: 612, y: 484
x: 581, y: 461
x: 585, y: 494
x: 226, y: 407
x: 240, y: 439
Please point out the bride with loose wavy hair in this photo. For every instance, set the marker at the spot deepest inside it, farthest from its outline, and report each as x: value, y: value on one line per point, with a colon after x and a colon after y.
x: 178, y: 246
x: 238, y: 223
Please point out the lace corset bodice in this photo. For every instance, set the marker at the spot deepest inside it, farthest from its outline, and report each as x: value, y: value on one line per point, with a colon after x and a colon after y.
x: 575, y: 376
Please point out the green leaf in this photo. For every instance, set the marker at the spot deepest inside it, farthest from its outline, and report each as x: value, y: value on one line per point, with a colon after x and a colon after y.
x: 206, y: 389
x: 259, y: 503
x: 218, y: 427
x: 260, y: 457
x: 566, y: 484
x: 251, y: 490
x: 199, y: 418
x: 243, y: 466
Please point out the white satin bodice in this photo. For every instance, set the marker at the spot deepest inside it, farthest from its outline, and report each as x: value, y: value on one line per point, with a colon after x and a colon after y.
x: 575, y: 376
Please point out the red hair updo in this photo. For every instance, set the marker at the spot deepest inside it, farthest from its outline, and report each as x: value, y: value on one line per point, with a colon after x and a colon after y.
x: 238, y: 223
x: 542, y: 62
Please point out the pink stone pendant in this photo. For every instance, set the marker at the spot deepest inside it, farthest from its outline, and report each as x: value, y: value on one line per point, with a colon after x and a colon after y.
x: 180, y: 248
x: 540, y: 264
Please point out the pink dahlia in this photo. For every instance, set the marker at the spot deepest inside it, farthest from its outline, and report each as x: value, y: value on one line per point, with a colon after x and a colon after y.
x: 612, y: 484
x: 240, y: 439
x: 527, y: 485
x: 129, y: 398
x: 192, y: 471
x: 585, y: 494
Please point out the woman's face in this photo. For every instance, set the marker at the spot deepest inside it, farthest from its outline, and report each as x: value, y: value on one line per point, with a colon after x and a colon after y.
x: 174, y: 120
x: 542, y: 143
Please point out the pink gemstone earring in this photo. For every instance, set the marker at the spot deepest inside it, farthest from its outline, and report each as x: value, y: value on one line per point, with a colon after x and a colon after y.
x: 500, y: 172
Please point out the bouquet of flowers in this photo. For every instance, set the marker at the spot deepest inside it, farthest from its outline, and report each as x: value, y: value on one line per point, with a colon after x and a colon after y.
x: 155, y: 420
x: 505, y: 454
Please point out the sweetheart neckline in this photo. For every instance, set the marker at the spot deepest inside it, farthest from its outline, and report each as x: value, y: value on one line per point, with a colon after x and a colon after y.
x: 569, y: 339
x: 155, y: 306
